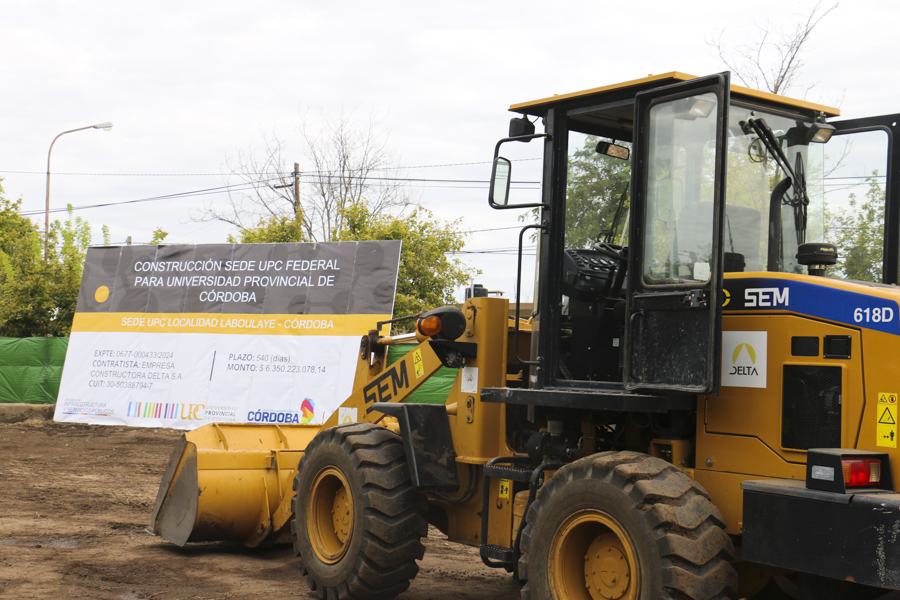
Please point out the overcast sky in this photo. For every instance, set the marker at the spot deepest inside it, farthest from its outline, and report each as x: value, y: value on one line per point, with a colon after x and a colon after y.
x: 189, y: 84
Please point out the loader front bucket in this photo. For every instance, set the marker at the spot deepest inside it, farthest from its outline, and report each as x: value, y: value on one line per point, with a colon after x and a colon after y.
x: 230, y: 482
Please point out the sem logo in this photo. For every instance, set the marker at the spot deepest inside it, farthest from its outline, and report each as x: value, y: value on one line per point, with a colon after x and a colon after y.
x: 744, y: 355
x: 766, y: 297
x: 393, y: 380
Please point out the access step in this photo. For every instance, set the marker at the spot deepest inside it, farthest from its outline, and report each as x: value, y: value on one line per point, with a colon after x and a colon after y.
x: 500, y: 553
x: 520, y: 474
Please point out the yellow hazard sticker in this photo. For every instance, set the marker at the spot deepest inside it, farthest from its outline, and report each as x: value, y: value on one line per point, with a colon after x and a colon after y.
x: 417, y: 361
x: 886, y: 413
x: 504, y: 488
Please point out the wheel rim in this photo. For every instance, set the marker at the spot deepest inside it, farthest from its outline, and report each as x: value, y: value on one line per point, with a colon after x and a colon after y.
x: 329, y: 518
x: 592, y: 558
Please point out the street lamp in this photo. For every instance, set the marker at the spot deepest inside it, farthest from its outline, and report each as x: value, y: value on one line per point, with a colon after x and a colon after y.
x: 105, y: 127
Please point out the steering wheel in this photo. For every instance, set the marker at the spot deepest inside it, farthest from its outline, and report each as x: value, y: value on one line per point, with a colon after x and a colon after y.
x: 610, y: 251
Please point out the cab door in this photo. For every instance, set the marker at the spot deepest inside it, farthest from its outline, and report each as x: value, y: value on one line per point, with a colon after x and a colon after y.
x: 859, y: 159
x: 673, y: 314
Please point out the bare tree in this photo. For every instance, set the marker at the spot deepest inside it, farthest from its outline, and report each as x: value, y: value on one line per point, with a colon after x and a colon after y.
x: 260, y: 187
x: 344, y: 164
x: 350, y: 165
x: 775, y: 59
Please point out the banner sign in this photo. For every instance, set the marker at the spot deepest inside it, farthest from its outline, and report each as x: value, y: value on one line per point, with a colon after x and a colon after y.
x: 182, y: 336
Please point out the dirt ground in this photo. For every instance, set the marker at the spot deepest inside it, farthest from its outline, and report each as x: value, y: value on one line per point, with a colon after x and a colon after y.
x: 75, y: 505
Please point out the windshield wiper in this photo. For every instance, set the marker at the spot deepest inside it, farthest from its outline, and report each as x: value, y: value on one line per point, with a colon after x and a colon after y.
x: 796, y: 179
x: 767, y: 137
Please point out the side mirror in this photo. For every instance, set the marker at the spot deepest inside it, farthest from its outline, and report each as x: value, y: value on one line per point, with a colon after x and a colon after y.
x: 500, y: 178
x: 669, y: 198
x: 613, y: 150
x: 501, y: 174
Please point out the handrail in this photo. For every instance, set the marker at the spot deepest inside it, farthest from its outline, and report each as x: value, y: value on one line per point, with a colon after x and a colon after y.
x: 519, y: 294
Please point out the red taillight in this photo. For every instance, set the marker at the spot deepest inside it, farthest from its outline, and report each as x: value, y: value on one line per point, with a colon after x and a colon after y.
x: 430, y: 326
x: 861, y: 472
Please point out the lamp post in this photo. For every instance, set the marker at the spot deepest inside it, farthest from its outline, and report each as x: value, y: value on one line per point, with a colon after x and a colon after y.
x: 105, y: 127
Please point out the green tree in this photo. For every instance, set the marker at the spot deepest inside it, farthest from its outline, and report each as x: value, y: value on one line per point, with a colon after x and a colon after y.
x: 38, y: 297
x: 594, y: 187
x: 858, y: 232
x: 158, y: 236
x: 273, y: 229
x: 428, y: 271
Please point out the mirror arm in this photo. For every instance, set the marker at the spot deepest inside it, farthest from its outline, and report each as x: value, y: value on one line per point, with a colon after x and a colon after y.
x: 520, y: 138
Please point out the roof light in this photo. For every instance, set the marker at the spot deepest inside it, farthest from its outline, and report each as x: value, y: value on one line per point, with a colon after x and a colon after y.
x: 702, y: 106
x: 819, y: 133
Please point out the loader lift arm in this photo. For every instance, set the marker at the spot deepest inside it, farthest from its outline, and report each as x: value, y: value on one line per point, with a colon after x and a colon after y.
x: 233, y: 481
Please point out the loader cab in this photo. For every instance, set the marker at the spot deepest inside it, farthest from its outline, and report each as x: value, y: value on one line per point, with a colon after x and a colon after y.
x: 652, y: 190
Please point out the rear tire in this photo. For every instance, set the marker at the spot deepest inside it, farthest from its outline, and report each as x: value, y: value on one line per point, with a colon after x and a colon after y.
x: 625, y: 526
x: 358, y: 521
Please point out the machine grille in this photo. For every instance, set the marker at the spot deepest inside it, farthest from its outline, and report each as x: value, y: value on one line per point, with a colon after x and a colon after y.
x: 804, y: 346
x: 811, y: 407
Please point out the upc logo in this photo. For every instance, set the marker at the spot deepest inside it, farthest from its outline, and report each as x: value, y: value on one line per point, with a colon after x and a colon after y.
x: 160, y: 410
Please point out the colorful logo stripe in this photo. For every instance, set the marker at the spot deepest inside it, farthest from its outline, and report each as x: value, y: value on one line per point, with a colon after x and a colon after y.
x: 153, y: 410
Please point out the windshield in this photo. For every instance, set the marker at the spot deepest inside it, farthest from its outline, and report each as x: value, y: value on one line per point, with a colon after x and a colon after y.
x: 598, y: 193
x: 753, y: 174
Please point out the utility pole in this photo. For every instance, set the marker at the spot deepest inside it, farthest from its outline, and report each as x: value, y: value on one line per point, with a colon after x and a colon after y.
x: 296, y: 185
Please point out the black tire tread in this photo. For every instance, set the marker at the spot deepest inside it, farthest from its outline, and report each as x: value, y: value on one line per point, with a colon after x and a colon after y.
x: 695, y: 550
x: 394, y: 515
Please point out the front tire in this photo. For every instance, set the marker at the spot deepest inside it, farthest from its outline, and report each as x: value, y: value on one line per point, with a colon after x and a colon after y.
x: 357, y: 519
x: 625, y: 526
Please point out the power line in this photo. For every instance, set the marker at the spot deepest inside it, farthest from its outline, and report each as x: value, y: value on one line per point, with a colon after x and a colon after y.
x: 287, y: 173
x: 290, y: 175
x: 522, y: 185
x: 496, y: 229
x: 507, y: 250
x: 115, y: 174
x: 204, y: 192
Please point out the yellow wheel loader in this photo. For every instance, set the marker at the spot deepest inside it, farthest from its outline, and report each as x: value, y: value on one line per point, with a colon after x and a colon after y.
x: 699, y: 405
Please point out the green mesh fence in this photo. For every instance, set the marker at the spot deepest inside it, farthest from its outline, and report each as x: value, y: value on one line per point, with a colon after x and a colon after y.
x: 434, y: 390
x: 31, y: 368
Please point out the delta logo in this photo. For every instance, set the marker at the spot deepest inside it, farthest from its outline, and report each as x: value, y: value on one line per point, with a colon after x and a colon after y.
x: 744, y: 357
x: 737, y: 369
x: 308, y: 411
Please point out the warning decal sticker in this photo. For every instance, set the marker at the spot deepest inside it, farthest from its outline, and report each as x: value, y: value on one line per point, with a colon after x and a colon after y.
x: 886, y: 429
x: 417, y: 360
x: 504, y: 488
